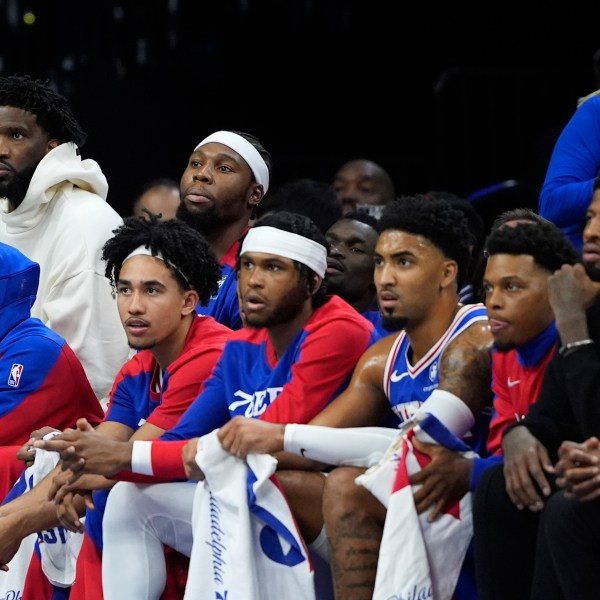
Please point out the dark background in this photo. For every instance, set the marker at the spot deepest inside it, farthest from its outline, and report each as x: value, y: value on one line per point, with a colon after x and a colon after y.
x: 455, y: 97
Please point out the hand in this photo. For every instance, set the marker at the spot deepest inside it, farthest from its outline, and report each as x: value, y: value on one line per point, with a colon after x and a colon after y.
x: 242, y: 436
x: 578, y: 469
x: 570, y: 289
x: 71, y: 508
x: 526, y: 463
x: 444, y: 481
x: 192, y: 470
x: 84, y: 450
x: 26, y: 452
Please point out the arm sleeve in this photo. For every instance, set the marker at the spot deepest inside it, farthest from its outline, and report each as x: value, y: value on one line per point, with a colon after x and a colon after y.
x: 327, y: 359
x: 356, y: 446
x: 567, y: 189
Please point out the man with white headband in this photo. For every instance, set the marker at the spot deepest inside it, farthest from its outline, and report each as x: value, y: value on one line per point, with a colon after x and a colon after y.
x: 158, y: 283
x: 438, y: 364
x: 227, y: 175
x: 294, y: 356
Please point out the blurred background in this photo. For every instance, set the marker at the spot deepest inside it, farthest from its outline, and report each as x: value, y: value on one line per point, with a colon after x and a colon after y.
x: 465, y: 98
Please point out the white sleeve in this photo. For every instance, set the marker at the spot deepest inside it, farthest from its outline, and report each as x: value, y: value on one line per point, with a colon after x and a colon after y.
x: 449, y: 410
x: 141, y: 457
x: 355, y: 446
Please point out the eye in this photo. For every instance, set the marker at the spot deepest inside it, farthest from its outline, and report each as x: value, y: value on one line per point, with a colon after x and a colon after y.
x: 224, y: 169
x: 357, y: 250
x: 17, y: 135
x: 152, y: 291
x: 274, y: 268
x: 122, y: 289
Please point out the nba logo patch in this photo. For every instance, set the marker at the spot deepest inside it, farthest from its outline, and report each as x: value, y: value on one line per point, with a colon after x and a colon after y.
x: 15, y: 375
x: 433, y: 371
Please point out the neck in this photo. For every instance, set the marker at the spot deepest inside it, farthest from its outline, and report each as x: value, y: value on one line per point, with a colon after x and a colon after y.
x: 222, y: 240
x: 282, y: 334
x: 170, y: 348
x: 424, y: 334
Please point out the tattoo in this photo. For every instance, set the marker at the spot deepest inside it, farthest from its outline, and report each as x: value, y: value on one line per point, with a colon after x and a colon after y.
x: 466, y: 367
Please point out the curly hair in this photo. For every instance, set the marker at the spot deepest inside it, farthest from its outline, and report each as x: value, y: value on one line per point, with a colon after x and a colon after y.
x: 542, y: 240
x: 54, y: 115
x: 304, y: 226
x: 435, y: 219
x: 188, y: 255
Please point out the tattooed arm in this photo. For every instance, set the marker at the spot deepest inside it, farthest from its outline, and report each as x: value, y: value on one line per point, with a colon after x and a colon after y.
x: 465, y: 372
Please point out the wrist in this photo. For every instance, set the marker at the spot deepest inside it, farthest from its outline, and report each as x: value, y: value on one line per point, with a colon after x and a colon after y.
x: 571, y: 347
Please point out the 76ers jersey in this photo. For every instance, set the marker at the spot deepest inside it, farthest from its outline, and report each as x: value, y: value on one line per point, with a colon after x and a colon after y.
x: 408, y: 386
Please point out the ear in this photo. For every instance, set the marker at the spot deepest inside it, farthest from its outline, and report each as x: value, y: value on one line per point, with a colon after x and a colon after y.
x: 52, y: 144
x: 316, y: 284
x: 190, y: 300
x: 449, y: 273
x: 256, y: 195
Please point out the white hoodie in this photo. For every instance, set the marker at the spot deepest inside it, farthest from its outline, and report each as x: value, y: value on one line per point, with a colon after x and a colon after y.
x: 62, y: 224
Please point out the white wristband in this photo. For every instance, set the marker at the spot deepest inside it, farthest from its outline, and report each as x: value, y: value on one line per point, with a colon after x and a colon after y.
x: 356, y: 446
x: 450, y: 410
x: 141, y: 457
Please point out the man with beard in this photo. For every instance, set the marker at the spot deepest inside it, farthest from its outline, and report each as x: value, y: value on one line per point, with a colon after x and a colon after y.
x: 295, y: 354
x: 439, y: 363
x: 226, y: 177
x: 53, y: 209
x: 532, y: 540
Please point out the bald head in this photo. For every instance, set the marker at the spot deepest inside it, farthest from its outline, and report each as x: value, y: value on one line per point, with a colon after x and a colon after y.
x: 361, y: 181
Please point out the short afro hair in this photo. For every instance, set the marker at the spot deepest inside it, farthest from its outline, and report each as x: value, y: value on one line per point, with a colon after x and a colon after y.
x: 434, y: 219
x: 542, y: 240
x: 300, y: 225
x: 187, y: 254
x: 53, y: 112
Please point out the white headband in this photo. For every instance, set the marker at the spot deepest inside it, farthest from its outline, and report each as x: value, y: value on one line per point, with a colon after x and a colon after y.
x: 289, y: 245
x: 246, y: 150
x: 145, y: 251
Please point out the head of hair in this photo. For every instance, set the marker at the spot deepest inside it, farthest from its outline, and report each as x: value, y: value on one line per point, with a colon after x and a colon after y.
x: 362, y: 217
x: 304, y: 226
x: 158, y: 182
x: 266, y: 156
x: 474, y: 219
x: 187, y: 254
x: 53, y: 112
x: 517, y: 214
x: 543, y: 240
x: 315, y: 199
x: 434, y: 219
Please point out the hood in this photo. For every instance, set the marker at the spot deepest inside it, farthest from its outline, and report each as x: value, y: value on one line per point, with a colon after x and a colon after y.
x: 19, y: 280
x: 62, y: 164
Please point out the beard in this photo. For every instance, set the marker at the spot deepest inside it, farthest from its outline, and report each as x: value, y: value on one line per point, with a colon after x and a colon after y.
x: 206, y: 222
x: 592, y: 271
x: 141, y: 345
x: 286, y: 310
x: 392, y: 323
x: 16, y: 187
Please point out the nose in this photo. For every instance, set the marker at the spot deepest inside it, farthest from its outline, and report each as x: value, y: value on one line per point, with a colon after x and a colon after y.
x: 136, y: 304
x: 203, y: 172
x: 591, y: 231
x: 335, y: 249
x: 384, y: 275
x: 493, y: 299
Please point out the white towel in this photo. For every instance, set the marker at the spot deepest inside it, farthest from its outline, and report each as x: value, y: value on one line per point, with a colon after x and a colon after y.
x: 246, y: 543
x: 417, y: 559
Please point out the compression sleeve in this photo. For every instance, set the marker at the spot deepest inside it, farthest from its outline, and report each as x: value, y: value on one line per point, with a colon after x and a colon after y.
x: 356, y: 446
x: 170, y: 464
x: 449, y: 410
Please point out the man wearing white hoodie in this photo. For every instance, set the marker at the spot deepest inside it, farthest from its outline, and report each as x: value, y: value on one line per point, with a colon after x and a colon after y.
x: 53, y: 209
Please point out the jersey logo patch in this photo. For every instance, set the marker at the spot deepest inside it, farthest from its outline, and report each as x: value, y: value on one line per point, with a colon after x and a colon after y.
x: 433, y: 372
x: 15, y: 375
x: 513, y: 383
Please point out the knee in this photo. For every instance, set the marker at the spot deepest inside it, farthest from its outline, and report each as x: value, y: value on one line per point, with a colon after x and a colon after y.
x: 342, y: 495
